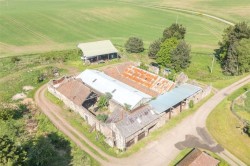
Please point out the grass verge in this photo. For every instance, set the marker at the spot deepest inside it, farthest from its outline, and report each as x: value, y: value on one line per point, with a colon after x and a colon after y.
x: 76, y: 121
x: 186, y: 151
x: 225, y: 128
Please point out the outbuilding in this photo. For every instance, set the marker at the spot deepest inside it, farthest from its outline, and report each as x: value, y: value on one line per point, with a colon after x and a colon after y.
x: 97, y: 51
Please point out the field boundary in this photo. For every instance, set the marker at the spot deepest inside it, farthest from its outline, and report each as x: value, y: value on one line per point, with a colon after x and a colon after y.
x: 184, y: 11
x: 244, y: 121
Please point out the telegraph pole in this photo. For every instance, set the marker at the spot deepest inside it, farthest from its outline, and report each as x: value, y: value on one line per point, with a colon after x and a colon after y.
x: 212, y: 65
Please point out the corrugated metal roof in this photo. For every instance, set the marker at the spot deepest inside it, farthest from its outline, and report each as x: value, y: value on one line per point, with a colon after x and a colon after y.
x: 92, y: 49
x: 173, y: 97
x: 121, y: 93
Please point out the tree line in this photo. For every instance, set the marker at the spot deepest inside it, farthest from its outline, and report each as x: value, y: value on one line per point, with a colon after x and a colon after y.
x: 234, y: 49
x: 171, y: 50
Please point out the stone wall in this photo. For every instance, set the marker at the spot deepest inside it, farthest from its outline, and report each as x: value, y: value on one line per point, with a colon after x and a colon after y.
x: 84, y: 113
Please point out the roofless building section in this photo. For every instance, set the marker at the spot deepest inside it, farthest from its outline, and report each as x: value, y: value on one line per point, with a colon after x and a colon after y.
x: 97, y: 51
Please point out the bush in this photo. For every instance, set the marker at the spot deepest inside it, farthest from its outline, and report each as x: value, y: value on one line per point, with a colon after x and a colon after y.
x: 191, y: 104
x: 143, y: 66
x: 15, y: 59
x: 134, y: 45
x: 102, y: 117
x: 41, y: 77
x: 154, y: 48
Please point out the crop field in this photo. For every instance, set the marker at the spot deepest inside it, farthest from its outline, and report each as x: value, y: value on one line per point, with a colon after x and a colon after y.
x: 231, y: 10
x: 40, y: 26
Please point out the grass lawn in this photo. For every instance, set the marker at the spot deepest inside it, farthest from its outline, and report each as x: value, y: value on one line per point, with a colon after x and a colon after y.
x: 222, y: 124
x: 180, y: 156
x: 186, y: 151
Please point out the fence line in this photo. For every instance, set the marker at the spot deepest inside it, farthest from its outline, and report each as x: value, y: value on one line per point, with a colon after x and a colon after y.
x: 244, y: 121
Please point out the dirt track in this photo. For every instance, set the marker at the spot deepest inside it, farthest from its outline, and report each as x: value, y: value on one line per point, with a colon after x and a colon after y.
x: 191, y: 131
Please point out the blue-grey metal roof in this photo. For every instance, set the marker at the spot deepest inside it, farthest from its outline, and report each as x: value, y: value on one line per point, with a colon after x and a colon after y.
x: 173, y: 97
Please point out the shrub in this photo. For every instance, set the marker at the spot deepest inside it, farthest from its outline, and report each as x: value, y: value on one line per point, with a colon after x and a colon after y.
x: 104, y: 100
x: 15, y: 59
x: 154, y: 48
x: 191, y: 104
x: 102, y: 117
x: 143, y: 66
x: 134, y: 45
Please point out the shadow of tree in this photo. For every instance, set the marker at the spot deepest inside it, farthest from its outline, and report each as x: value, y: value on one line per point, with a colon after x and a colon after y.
x: 51, y: 149
x: 194, y: 142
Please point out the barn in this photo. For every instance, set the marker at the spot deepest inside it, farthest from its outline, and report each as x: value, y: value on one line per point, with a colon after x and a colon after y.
x: 98, y: 51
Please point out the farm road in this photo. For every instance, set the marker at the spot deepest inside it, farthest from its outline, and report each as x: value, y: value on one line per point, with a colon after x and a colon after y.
x: 191, y: 131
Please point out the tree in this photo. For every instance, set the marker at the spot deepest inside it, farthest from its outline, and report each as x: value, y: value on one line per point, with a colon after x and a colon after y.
x: 180, y: 57
x: 10, y: 154
x: 229, y: 50
x: 104, y: 100
x: 41, y: 152
x: 154, y: 48
x: 6, y: 114
x: 134, y: 45
x: 243, y: 55
x: 164, y: 55
x: 175, y: 30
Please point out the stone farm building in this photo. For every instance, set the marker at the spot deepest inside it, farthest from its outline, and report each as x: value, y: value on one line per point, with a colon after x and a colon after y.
x: 141, y: 101
x: 96, y: 51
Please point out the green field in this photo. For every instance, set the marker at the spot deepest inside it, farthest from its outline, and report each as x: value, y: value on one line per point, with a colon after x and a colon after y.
x: 230, y: 9
x: 225, y: 128
x: 39, y: 26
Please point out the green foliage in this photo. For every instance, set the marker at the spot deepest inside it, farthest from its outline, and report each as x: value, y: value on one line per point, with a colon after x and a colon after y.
x: 134, y: 45
x: 10, y: 154
x: 12, y: 113
x: 175, y: 30
x: 171, y: 76
x: 164, y: 55
x: 104, y: 100
x: 41, y: 77
x: 180, y: 57
x: 59, y: 142
x: 6, y: 114
x: 233, y: 53
x: 127, y: 106
x: 191, y: 104
x: 143, y: 66
x: 15, y: 59
x: 154, y: 48
x: 42, y: 152
x: 246, y: 129
x: 102, y: 117
x: 243, y: 50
